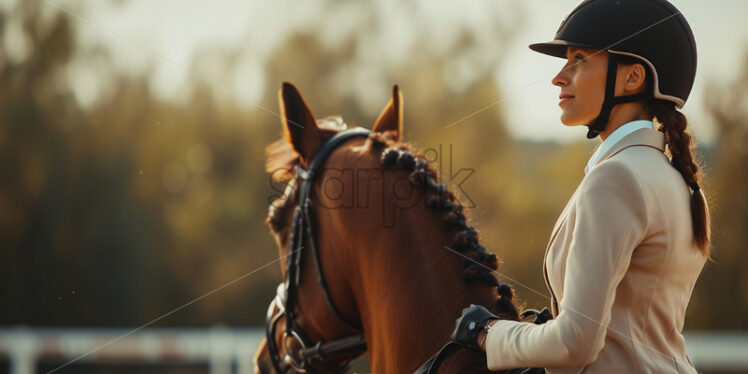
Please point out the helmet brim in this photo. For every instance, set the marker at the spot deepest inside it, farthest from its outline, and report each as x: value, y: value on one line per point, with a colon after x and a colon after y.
x: 557, y: 48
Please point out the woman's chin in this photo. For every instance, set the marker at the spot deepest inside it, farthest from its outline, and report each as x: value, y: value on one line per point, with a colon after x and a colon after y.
x: 571, y: 121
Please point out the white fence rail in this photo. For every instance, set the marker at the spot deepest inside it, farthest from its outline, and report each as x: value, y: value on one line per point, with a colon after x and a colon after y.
x: 224, y: 350
x: 231, y: 350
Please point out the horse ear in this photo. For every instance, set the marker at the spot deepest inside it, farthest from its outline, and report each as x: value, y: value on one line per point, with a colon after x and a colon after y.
x: 391, y: 117
x: 298, y: 122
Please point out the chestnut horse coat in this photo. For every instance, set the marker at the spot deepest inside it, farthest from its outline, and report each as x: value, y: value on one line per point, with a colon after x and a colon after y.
x: 620, y: 265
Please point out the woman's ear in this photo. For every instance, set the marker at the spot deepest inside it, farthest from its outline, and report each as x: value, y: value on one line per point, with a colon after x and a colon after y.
x: 636, y: 78
x: 299, y: 126
x: 391, y: 117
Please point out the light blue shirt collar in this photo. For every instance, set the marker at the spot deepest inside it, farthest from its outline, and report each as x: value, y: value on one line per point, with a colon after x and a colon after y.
x: 614, y: 138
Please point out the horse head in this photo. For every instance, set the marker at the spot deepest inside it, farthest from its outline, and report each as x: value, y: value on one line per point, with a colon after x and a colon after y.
x: 364, y: 230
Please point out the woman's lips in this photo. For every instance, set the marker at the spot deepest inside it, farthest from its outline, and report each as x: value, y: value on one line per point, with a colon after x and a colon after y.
x: 564, y: 98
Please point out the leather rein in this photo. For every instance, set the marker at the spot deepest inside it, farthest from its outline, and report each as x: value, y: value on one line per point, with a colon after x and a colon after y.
x: 285, y: 301
x: 431, y: 366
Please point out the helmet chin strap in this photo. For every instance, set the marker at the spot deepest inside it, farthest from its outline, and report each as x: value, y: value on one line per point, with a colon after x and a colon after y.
x: 598, y: 125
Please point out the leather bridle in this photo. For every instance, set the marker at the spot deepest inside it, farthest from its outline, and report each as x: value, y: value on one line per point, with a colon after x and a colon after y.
x: 311, y: 357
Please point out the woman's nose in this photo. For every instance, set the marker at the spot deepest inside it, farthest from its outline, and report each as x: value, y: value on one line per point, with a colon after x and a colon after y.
x: 561, y: 78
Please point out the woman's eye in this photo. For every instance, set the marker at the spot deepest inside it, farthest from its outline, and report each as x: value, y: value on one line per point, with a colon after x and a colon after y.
x: 578, y: 58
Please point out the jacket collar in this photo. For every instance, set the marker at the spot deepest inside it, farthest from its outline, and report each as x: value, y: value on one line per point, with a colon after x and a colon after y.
x: 642, y: 137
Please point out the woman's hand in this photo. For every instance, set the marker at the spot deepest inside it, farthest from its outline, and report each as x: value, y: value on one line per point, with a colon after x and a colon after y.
x: 472, y: 322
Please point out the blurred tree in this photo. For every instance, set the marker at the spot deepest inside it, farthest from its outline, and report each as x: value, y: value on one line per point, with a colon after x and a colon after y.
x: 722, y: 289
x: 117, y: 211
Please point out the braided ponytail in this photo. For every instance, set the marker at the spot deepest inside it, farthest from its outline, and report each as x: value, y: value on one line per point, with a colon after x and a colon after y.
x: 679, y: 143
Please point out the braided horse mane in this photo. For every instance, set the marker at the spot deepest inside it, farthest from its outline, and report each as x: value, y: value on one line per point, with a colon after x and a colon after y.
x: 478, y: 263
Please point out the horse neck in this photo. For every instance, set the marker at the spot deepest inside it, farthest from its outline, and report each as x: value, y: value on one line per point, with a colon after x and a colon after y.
x: 410, y: 309
x: 407, y: 285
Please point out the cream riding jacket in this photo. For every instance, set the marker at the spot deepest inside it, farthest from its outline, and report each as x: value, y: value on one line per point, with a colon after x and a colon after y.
x: 621, y: 265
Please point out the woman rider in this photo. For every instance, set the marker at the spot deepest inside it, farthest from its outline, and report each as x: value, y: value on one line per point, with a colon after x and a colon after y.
x: 626, y: 251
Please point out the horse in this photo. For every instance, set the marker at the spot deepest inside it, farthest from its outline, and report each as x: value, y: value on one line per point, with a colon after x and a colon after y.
x: 395, y: 256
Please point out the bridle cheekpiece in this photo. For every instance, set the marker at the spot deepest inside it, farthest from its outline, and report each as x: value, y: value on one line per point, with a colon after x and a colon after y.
x: 300, y: 354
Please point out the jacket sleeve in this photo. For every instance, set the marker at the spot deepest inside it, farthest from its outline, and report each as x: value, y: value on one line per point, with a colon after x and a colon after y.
x: 610, y: 221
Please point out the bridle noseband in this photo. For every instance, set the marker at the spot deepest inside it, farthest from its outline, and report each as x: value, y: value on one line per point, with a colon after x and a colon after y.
x: 286, y: 295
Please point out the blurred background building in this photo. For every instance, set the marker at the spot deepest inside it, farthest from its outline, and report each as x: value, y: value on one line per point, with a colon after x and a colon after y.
x: 132, y: 139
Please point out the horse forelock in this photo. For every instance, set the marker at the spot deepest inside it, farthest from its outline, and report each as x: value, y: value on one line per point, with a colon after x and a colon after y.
x: 280, y: 208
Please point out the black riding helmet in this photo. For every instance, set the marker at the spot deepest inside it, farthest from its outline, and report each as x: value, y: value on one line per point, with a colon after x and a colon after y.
x: 652, y: 31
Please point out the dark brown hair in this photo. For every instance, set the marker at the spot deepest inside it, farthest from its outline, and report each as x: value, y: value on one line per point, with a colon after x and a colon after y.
x: 679, y: 145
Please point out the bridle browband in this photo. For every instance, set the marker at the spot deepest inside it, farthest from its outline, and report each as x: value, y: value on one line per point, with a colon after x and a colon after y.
x: 286, y: 295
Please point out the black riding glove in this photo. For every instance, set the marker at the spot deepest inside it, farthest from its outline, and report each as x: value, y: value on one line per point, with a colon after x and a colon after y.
x: 473, y: 320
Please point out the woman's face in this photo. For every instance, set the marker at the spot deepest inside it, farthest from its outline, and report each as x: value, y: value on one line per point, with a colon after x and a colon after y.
x: 582, y: 83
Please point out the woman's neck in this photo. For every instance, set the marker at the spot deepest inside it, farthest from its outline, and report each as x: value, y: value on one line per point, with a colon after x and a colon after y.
x: 623, y: 114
